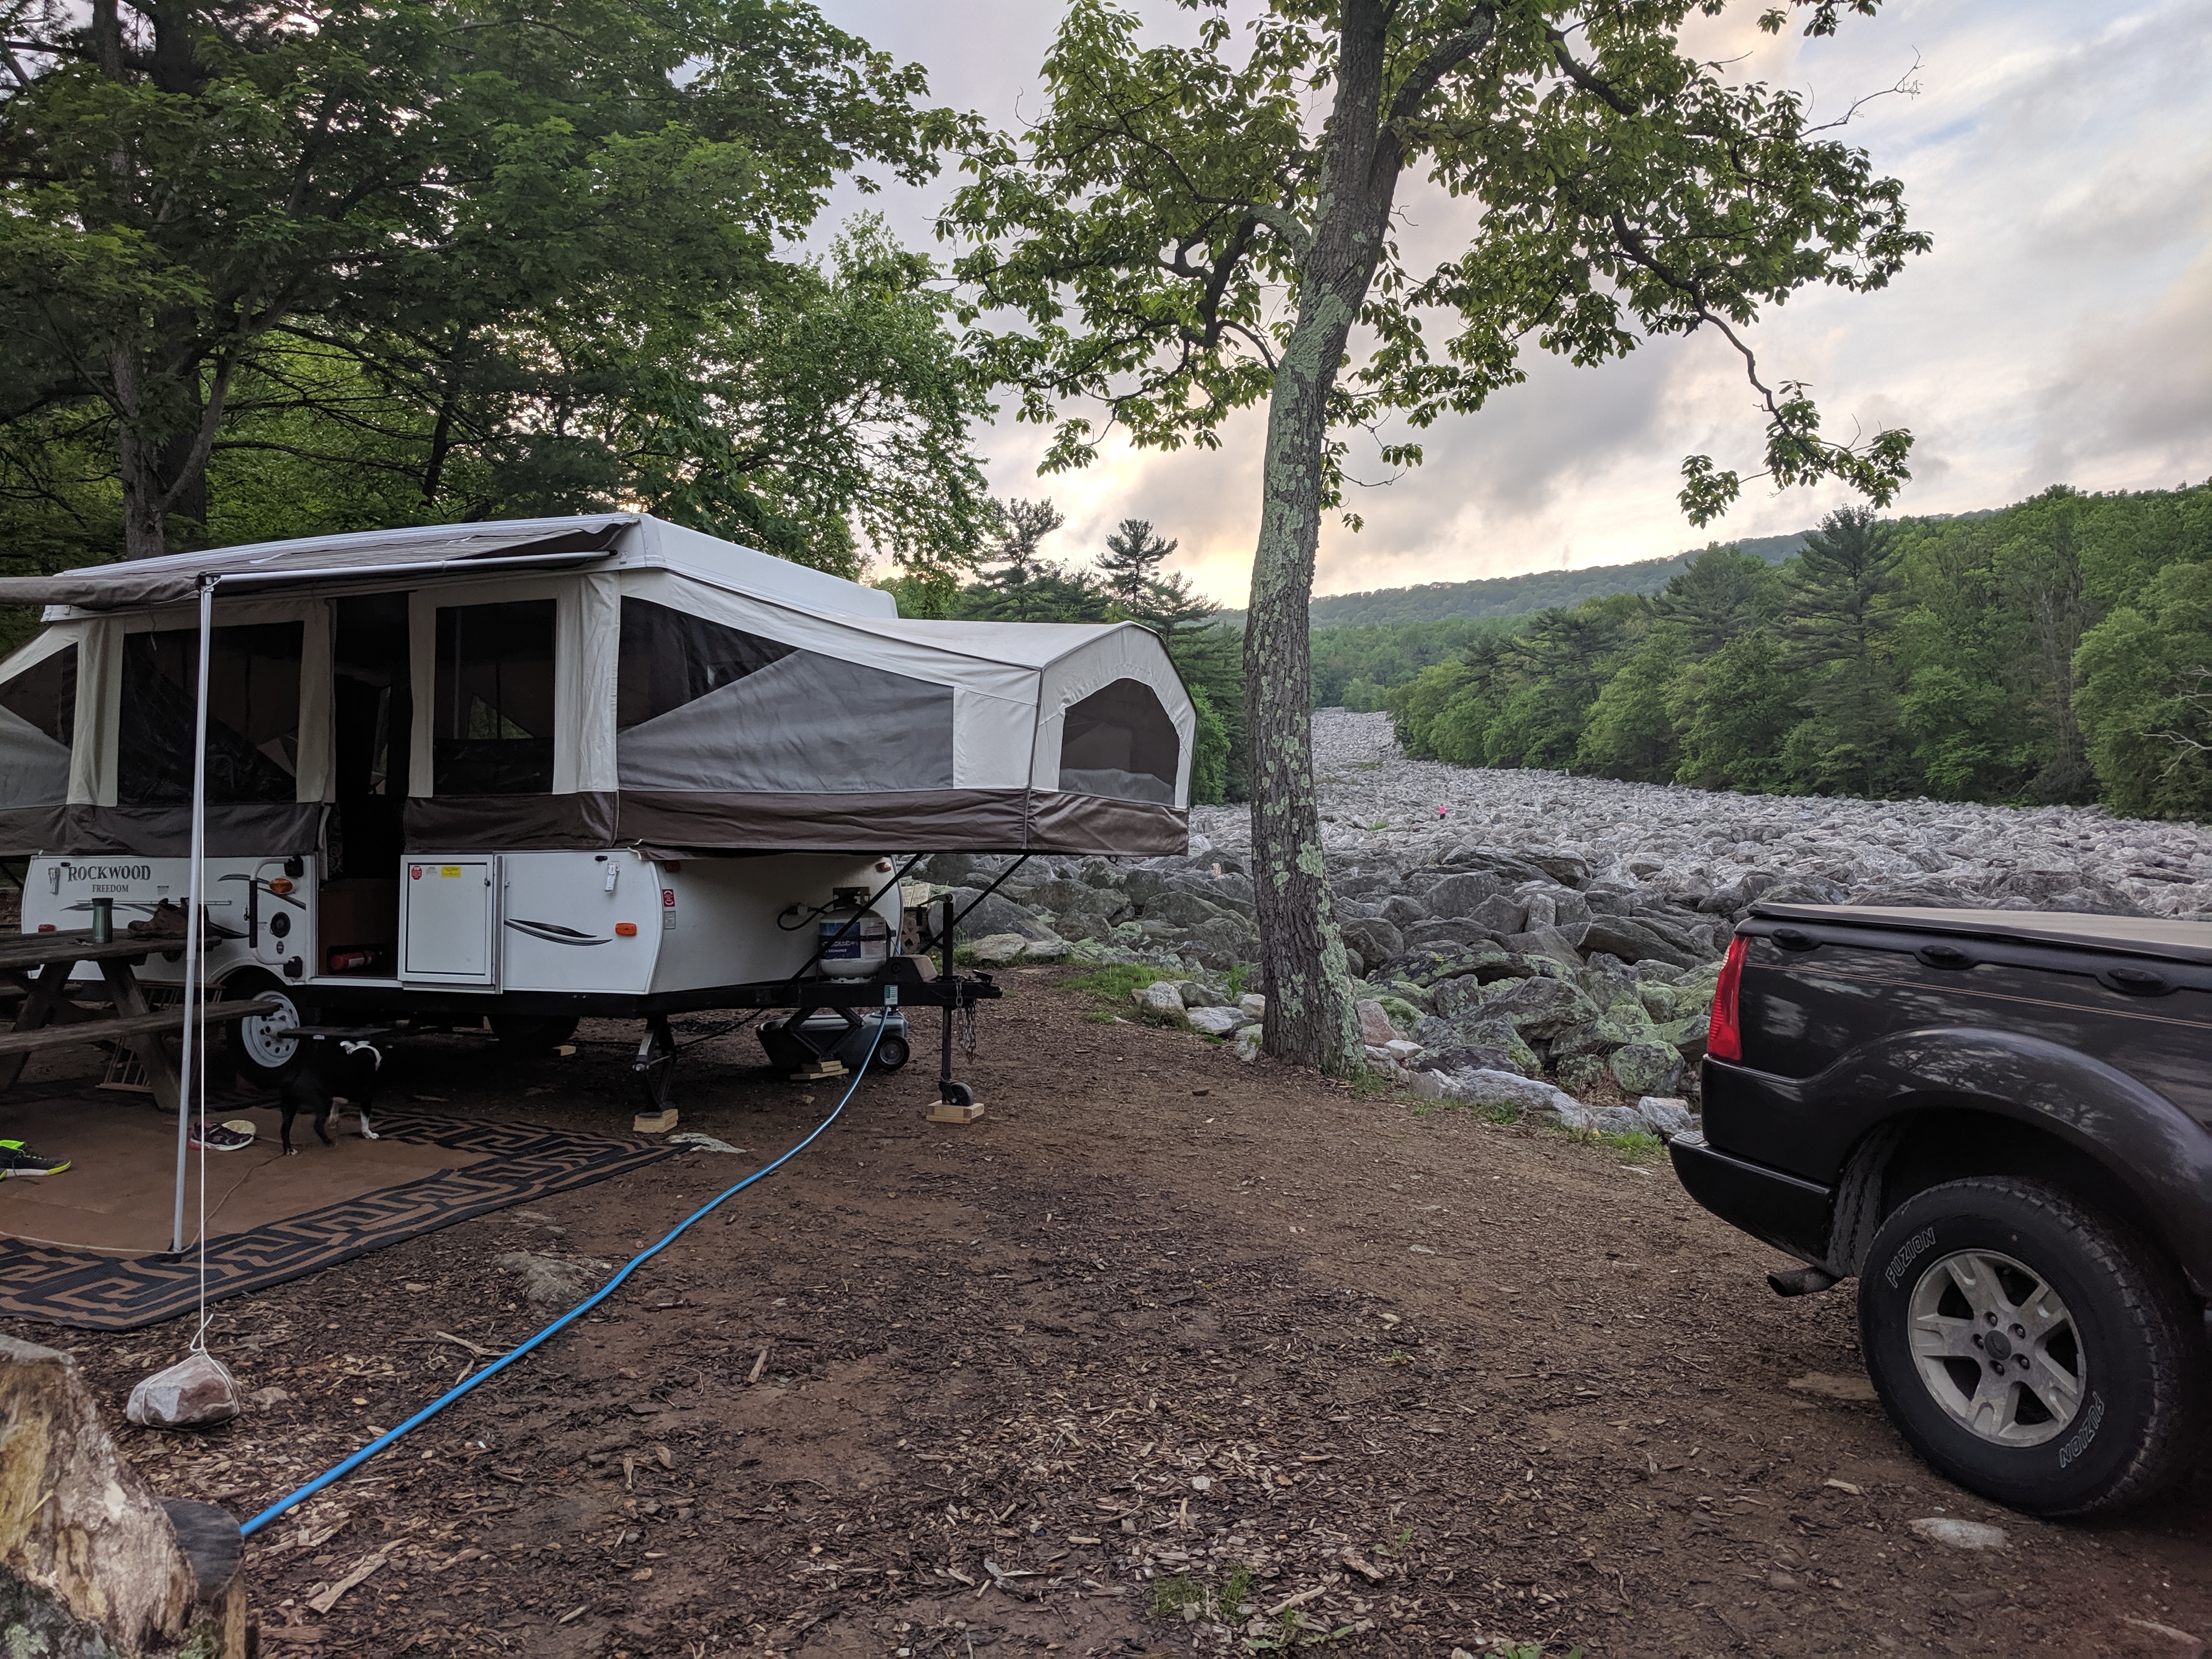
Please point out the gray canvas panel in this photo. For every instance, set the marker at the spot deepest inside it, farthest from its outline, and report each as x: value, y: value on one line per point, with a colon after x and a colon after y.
x: 1120, y: 785
x: 33, y: 769
x: 807, y: 724
x: 28, y: 830
x: 1061, y: 823
x: 454, y: 823
x: 234, y: 829
x: 923, y: 820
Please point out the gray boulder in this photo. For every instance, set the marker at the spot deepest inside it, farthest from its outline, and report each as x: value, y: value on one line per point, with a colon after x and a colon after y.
x: 1182, y: 907
x: 1562, y: 945
x: 1649, y: 1068
x: 1667, y: 1115
x: 1600, y: 1037
x: 1526, y: 1095
x: 1502, y: 913
x: 1543, y: 1007
x: 1219, y: 1022
x: 1632, y: 940
x: 996, y: 914
x: 1376, y: 940
x: 1403, y: 910
x: 1459, y: 895
x: 1445, y: 930
x: 1620, y: 1121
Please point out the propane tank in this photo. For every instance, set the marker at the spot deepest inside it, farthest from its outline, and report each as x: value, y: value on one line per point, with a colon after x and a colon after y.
x: 866, y: 946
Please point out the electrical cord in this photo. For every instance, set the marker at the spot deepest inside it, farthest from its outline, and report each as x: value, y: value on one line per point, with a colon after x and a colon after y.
x: 339, y: 1471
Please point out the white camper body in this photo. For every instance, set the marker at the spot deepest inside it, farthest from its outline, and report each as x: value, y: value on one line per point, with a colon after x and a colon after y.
x: 534, y: 770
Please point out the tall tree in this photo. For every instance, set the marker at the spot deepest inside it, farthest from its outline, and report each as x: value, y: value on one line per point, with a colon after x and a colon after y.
x: 481, y: 211
x: 1842, y: 590
x: 1187, y: 230
x: 1131, y: 563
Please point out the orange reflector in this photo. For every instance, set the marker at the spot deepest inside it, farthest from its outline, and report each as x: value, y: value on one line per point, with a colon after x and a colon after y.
x: 280, y: 885
x: 626, y: 929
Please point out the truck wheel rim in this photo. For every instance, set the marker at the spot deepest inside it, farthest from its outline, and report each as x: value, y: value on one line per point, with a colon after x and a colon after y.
x: 267, y: 1038
x: 1997, y: 1348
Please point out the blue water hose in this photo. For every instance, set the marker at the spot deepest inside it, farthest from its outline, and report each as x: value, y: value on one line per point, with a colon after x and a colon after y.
x: 338, y: 1472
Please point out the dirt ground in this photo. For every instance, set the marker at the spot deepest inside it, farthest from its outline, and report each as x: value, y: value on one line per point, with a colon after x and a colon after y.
x: 1163, y: 1339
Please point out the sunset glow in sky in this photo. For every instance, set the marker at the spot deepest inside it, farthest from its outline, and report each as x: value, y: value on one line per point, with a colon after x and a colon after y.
x: 2060, y: 332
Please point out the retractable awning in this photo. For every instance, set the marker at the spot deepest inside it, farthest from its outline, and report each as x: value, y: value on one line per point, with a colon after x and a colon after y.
x: 271, y: 567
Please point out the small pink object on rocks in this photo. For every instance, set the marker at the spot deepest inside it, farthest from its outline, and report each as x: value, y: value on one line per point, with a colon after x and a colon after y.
x: 198, y: 1392
x: 1375, y: 1027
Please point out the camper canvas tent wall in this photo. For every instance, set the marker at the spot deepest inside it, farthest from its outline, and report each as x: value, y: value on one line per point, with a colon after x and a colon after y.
x: 539, y: 769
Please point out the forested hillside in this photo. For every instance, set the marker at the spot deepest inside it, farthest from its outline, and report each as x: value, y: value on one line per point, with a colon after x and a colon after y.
x: 1514, y: 596
x: 2060, y: 650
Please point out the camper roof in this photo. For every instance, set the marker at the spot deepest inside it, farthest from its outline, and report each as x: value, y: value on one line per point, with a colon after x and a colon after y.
x: 269, y: 569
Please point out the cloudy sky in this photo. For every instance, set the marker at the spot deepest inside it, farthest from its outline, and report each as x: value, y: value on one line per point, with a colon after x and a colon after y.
x: 2060, y: 332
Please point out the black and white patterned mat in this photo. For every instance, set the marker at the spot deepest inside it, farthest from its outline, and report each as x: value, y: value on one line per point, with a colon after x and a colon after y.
x: 521, y: 1161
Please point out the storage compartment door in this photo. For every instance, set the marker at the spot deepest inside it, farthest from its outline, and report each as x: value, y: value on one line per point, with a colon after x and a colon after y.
x: 449, y: 922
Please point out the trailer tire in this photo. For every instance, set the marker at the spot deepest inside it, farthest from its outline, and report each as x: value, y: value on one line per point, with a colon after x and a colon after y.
x: 2031, y: 1348
x: 258, y: 1052
x: 891, y: 1053
x: 532, y: 1034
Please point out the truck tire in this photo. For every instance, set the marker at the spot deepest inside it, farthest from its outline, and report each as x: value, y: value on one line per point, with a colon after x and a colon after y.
x: 2032, y: 1351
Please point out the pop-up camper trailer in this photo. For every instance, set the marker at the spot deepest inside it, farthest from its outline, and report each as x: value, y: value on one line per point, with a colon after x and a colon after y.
x: 535, y: 770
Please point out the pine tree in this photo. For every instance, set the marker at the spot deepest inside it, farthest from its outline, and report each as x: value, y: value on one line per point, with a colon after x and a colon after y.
x: 1132, y: 561
x: 1020, y: 580
x: 1842, y: 592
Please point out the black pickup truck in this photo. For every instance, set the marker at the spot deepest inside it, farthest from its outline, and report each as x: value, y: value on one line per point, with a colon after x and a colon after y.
x: 2000, y: 1122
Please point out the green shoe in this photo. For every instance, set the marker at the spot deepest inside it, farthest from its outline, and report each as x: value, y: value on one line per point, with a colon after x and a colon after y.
x: 17, y: 1159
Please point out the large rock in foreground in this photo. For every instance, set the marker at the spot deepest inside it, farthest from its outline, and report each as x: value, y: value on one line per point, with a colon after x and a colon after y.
x: 92, y: 1563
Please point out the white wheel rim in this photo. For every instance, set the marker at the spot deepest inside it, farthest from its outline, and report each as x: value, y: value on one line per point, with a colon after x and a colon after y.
x: 1997, y: 1348
x: 266, y: 1037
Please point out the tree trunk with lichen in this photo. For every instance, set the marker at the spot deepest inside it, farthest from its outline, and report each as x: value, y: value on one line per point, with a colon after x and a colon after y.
x: 1310, y: 1017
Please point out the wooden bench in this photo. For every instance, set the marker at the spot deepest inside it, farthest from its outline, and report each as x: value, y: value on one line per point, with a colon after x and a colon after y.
x: 40, y: 964
x: 120, y: 1027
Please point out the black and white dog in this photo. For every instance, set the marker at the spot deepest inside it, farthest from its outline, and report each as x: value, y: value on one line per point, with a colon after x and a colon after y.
x: 334, y: 1073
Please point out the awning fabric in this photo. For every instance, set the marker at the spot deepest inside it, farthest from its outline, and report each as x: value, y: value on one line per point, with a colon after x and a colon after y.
x: 142, y: 584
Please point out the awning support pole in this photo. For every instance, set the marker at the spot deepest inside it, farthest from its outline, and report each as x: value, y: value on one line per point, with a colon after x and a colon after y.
x: 194, y: 886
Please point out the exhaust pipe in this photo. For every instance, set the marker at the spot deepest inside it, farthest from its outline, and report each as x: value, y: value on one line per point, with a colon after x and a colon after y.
x: 1803, y: 1281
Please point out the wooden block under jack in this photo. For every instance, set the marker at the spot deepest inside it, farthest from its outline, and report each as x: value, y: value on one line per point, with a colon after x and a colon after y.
x: 947, y: 1112
x: 654, y: 1123
x: 819, y: 1070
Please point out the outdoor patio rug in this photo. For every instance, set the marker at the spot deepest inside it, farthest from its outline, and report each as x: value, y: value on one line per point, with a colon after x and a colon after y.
x: 504, y: 1163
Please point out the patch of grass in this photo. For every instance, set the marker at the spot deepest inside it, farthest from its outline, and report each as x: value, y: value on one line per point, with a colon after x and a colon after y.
x: 1235, y: 1590
x: 1171, y: 1595
x: 1635, y: 1148
x: 1238, y: 972
x: 1099, y: 1017
x: 1110, y: 985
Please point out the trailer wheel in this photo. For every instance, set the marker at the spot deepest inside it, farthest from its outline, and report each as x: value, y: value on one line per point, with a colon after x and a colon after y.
x: 2031, y: 1349
x: 891, y: 1053
x: 532, y: 1034
x: 262, y: 1050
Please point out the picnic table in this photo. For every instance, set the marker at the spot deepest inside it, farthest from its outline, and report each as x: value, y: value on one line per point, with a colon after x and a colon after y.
x: 39, y: 965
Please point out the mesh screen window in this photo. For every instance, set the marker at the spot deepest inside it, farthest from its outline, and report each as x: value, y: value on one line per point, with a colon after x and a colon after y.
x: 253, y: 715
x: 38, y: 726
x: 1119, y: 742
x: 491, y: 712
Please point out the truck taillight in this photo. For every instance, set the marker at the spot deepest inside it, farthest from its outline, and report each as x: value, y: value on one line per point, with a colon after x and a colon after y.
x: 1723, y: 1034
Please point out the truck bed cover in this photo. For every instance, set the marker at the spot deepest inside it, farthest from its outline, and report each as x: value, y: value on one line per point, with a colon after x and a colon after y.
x: 2142, y: 936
